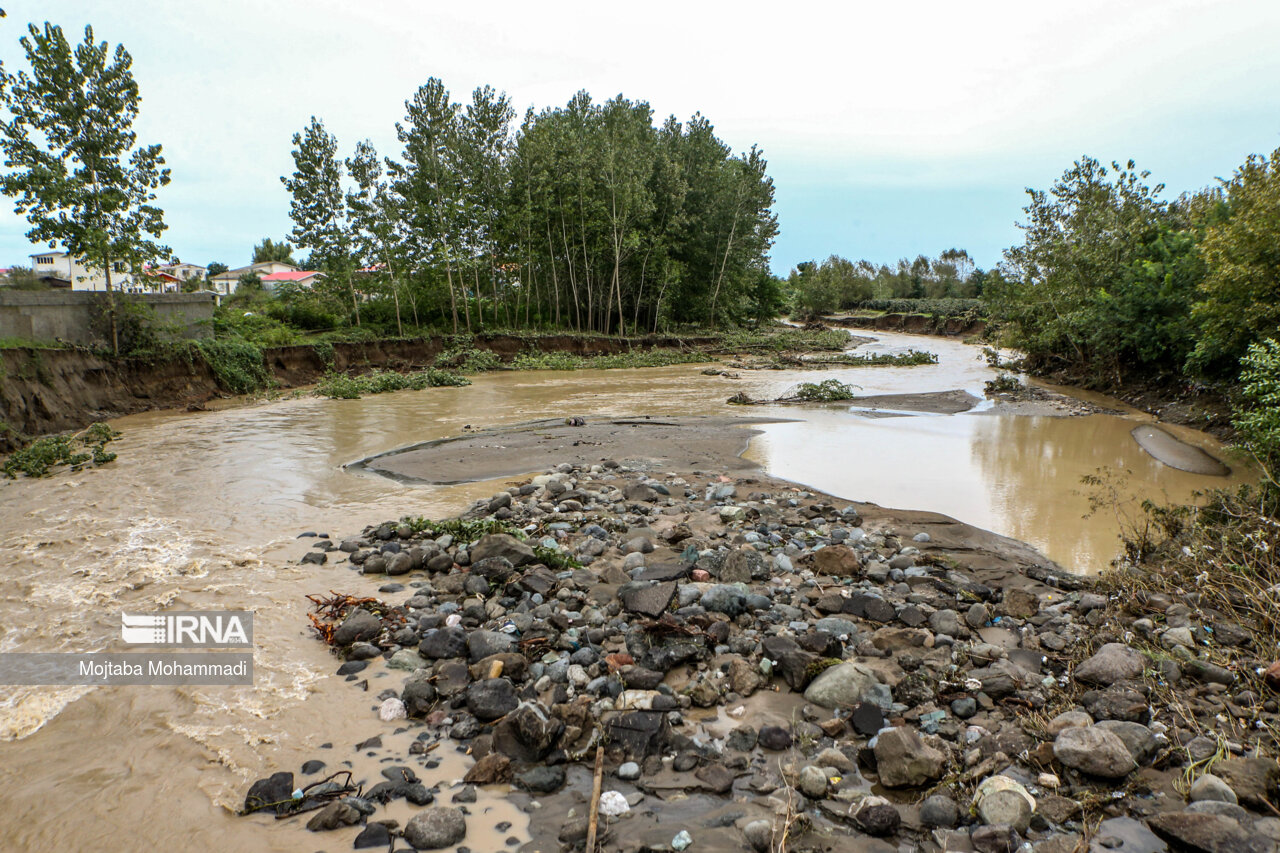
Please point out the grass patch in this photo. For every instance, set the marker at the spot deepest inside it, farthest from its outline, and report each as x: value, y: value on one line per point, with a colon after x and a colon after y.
x: 42, y: 456
x: 783, y: 339
x: 342, y: 386
x: 910, y: 358
x: 635, y: 358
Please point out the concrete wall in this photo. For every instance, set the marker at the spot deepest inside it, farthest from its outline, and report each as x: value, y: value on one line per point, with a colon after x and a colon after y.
x: 68, y: 315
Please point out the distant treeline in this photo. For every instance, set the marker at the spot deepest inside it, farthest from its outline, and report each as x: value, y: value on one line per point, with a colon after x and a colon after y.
x: 587, y: 216
x: 837, y: 283
x: 1114, y: 282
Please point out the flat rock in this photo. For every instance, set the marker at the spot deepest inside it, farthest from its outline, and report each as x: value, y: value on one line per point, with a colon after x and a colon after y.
x: 1093, y: 751
x: 1207, y: 833
x: 1111, y: 663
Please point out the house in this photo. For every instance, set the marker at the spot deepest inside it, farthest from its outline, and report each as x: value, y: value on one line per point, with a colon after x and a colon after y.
x: 227, y: 282
x: 61, y: 270
x: 303, y: 279
x: 184, y: 272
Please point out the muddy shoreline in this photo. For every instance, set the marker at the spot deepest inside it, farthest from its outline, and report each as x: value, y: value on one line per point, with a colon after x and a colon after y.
x: 696, y: 624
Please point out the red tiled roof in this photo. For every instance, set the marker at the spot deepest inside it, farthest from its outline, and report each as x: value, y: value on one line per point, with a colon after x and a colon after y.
x: 296, y: 275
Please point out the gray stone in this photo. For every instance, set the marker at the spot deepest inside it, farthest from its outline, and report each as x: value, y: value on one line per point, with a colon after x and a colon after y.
x: 502, y: 545
x: 759, y: 835
x: 1093, y: 751
x: 904, y: 760
x: 647, y: 597
x: 1138, y: 739
x: 435, y: 828
x: 812, y: 782
x: 482, y: 644
x: 333, y: 816
x: 629, y: 771
x: 490, y: 699
x: 726, y: 599
x: 360, y: 624
x: 940, y: 811
x: 1210, y: 787
x: 1208, y: 833
x: 1111, y: 663
x: 847, y: 685
x: 444, y: 643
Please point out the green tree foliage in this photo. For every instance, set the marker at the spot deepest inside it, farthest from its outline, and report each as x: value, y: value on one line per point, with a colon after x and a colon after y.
x: 1106, y: 276
x: 838, y: 283
x: 1240, y: 294
x: 270, y: 250
x: 1258, y: 420
x: 586, y: 216
x: 215, y: 268
x: 24, y: 278
x: 75, y: 168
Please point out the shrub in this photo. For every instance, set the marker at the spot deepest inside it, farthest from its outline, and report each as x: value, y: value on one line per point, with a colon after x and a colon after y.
x: 826, y: 391
x: 341, y: 386
x: 236, y: 363
x: 43, y: 454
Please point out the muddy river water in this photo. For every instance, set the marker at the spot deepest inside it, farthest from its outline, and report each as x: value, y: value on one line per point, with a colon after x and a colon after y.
x: 202, y: 509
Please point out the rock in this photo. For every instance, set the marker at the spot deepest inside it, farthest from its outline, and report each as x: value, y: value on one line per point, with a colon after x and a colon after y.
x: 489, y: 770
x: 726, y: 599
x: 940, y: 811
x: 743, y: 566
x: 977, y: 616
x: 1093, y: 751
x: 1254, y: 780
x: 904, y: 760
x: 496, y: 570
x: 629, y: 771
x: 482, y: 644
x: 877, y: 816
x: 744, y: 679
x: 502, y: 545
x: 775, y: 738
x: 867, y: 719
x: 400, y: 563
x: 1211, y: 787
x: 1138, y: 739
x: 718, y: 779
x: 682, y: 841
x: 542, y: 780
x: 1111, y: 663
x: 743, y: 739
x: 1020, y: 603
x: 444, y: 643
x: 1001, y: 800
x: 812, y: 782
x: 490, y: 699
x: 332, y: 816
x: 527, y: 733
x: 647, y: 597
x: 435, y: 828
x: 838, y: 561
x: 391, y: 709
x: 1068, y: 720
x: 995, y: 838
x: 419, y: 697
x: 374, y: 835
x: 639, y: 492
x: 759, y: 835
x: 1207, y: 833
x: 947, y: 622
x: 846, y: 685
x: 614, y: 804
x: 360, y: 624
x: 276, y: 788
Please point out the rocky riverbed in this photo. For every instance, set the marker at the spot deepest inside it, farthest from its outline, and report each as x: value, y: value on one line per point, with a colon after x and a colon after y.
x: 767, y: 668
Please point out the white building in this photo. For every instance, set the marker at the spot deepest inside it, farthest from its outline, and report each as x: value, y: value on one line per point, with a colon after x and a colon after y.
x: 59, y: 269
x: 184, y: 272
x: 227, y: 282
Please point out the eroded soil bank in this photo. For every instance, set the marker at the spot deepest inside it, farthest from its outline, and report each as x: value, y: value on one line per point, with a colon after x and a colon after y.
x: 51, y: 390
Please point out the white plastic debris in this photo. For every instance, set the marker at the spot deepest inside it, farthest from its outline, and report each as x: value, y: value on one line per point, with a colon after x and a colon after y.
x: 613, y: 804
x: 392, y: 709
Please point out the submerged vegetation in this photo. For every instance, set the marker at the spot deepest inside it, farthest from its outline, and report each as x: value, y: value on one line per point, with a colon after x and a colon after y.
x: 827, y: 391
x: 84, y: 449
x: 636, y: 358
x: 342, y: 386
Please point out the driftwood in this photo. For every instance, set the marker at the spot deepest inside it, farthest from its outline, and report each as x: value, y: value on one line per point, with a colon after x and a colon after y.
x: 593, y: 823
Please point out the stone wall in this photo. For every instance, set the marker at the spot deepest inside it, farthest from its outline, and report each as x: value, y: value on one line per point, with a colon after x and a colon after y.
x: 70, y: 315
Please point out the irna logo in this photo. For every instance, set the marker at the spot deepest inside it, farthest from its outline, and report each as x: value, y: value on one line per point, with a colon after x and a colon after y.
x: 193, y: 628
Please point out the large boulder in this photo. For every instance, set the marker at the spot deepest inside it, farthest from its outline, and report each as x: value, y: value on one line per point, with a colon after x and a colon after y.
x: 435, y: 828
x: 837, y: 561
x: 360, y: 624
x: 491, y: 699
x: 1111, y: 663
x: 1093, y: 751
x: 502, y: 545
x: 1208, y: 832
x: 848, y: 685
x: 904, y: 760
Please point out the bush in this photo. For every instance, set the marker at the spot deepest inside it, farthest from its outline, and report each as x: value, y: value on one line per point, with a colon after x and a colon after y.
x: 468, y: 359
x: 341, y: 386
x: 236, y: 363
x: 1258, y: 420
x: 827, y: 391
x: 38, y: 458
x: 954, y: 306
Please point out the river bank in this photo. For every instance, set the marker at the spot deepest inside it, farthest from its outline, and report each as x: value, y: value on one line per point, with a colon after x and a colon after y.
x: 759, y: 661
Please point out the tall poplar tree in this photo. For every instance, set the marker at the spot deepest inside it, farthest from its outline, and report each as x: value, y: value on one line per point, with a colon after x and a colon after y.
x: 74, y: 165
x: 318, y: 207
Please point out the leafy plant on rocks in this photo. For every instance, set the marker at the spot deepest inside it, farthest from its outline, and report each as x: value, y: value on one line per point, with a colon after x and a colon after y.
x: 826, y: 391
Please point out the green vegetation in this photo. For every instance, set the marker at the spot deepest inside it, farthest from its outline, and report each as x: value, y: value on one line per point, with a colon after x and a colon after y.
x: 1257, y: 419
x: 635, y: 358
x: 236, y: 363
x: 341, y: 386
x: 910, y: 358
x: 783, y: 339
x: 827, y: 391
x: 86, y: 184
x: 460, y: 529
x: 40, y: 457
x: 468, y: 359
x: 1005, y: 383
x: 947, y: 285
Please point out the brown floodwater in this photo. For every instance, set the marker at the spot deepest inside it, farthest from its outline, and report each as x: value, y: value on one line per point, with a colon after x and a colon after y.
x: 202, y: 509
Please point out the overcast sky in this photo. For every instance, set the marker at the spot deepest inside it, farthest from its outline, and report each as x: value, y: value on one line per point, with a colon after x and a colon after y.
x: 891, y: 129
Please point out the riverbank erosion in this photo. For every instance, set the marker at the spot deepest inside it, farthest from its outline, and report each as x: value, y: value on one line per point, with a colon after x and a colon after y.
x: 757, y: 666
x: 44, y: 391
